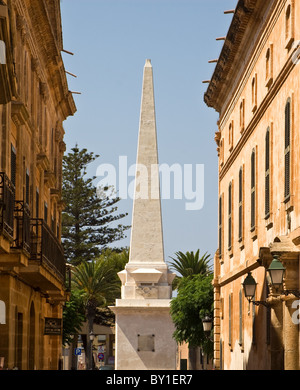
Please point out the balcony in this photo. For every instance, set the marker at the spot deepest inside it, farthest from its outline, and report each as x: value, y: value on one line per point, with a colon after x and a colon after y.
x: 19, y: 251
x: 46, y: 266
x: 7, y: 205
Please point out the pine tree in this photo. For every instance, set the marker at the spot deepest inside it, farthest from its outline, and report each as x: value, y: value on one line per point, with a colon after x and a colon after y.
x: 88, y: 220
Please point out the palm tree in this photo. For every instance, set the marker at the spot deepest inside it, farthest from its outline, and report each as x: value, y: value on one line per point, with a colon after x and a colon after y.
x: 190, y: 263
x: 186, y: 265
x: 98, y: 286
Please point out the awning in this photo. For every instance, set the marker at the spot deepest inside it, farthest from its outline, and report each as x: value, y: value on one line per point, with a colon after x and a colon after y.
x: 2, y: 313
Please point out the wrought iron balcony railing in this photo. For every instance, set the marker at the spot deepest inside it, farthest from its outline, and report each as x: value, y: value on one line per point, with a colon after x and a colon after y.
x: 46, y: 248
x: 22, y: 227
x: 7, y: 206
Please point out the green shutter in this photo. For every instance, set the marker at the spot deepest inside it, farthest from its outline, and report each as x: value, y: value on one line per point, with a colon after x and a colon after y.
x: 13, y: 165
x: 27, y: 187
x: 287, y: 156
x: 241, y: 204
x: 229, y: 216
x: 229, y: 320
x: 241, y: 317
x: 267, y: 174
x: 253, y: 179
x: 220, y: 226
x: 253, y: 324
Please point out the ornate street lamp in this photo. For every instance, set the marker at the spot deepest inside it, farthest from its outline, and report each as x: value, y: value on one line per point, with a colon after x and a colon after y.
x: 207, y: 324
x: 249, y: 286
x: 276, y: 272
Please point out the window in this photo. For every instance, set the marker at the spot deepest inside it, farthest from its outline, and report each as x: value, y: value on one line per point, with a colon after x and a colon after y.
x: 220, y: 225
x: 230, y: 136
x: 242, y: 115
x: 268, y: 317
x: 13, y: 164
x: 254, y: 93
x: 253, y: 180
x: 27, y: 187
x: 37, y: 203
x: 222, y: 152
x: 267, y: 173
x: 230, y: 216
x: 254, y: 324
x: 46, y: 212
x: 241, y: 317
x: 269, y: 66
x: 230, y: 319
x: 289, y: 24
x: 288, y: 21
x: 52, y: 224
x: 241, y: 204
x: 287, y: 152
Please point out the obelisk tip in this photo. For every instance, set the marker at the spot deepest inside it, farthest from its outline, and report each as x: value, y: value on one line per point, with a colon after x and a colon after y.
x: 148, y: 63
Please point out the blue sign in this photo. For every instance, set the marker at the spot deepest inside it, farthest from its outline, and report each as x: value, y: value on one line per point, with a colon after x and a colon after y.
x: 101, y: 356
x: 77, y: 351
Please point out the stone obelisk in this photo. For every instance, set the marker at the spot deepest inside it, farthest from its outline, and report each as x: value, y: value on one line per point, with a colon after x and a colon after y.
x: 143, y: 323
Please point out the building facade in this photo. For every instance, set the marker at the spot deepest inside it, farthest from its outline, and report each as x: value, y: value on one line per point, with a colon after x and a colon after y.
x: 255, y: 89
x: 34, y: 102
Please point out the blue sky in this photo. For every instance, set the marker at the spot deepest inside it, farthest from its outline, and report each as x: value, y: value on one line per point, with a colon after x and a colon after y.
x: 111, y: 39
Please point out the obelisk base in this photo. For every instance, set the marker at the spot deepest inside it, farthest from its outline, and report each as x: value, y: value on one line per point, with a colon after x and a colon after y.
x: 144, y: 330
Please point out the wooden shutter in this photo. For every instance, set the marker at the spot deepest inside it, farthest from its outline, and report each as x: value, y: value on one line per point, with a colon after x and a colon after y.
x: 253, y: 324
x: 287, y: 152
x: 46, y: 212
x: 13, y: 165
x: 241, y: 204
x: 268, y: 318
x: 220, y: 226
x: 267, y: 173
x: 253, y: 179
x: 229, y: 216
x: 37, y: 203
x: 27, y: 187
x: 230, y: 319
x: 241, y: 317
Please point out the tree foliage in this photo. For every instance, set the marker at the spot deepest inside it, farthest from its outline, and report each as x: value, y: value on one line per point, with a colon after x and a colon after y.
x: 96, y: 283
x: 89, y: 220
x: 73, y: 317
x: 86, y: 287
x: 193, y: 301
x: 188, y: 264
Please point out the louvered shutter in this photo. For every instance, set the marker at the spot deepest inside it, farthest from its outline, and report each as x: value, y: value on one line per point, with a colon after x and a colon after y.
x: 13, y: 165
x: 287, y: 152
x: 253, y: 190
x: 220, y: 226
x: 241, y: 204
x: 229, y: 216
x: 267, y: 174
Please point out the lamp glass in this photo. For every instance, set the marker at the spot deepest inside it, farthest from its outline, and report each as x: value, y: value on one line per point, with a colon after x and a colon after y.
x: 207, y: 324
x: 92, y: 336
x: 249, y: 285
x: 276, y: 272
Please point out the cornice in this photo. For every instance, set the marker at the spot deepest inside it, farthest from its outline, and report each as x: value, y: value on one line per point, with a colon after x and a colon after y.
x: 243, y: 12
x: 45, y: 46
x: 259, y: 44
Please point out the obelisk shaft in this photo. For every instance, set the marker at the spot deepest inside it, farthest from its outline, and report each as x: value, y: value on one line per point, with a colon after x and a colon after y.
x: 146, y: 244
